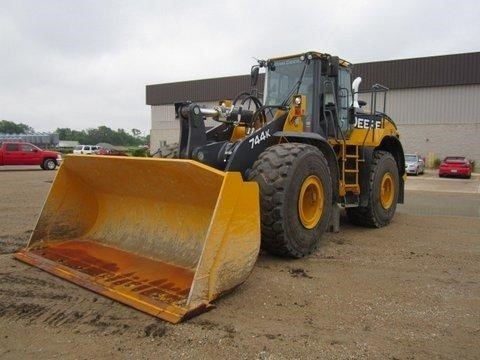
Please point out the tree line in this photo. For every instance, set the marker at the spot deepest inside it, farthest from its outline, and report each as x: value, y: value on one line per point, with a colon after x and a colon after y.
x: 9, y: 127
x: 88, y: 136
x: 103, y: 134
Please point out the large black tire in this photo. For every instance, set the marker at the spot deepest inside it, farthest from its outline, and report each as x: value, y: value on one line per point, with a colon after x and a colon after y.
x: 295, y: 198
x: 383, y: 193
x: 49, y: 164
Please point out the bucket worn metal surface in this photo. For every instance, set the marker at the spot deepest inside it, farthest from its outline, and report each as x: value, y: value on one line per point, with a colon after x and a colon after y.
x: 164, y: 236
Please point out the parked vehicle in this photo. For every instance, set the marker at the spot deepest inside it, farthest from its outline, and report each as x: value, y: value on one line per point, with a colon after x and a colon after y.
x: 85, y: 149
x: 22, y: 153
x: 414, y: 164
x: 455, y: 166
x: 111, y: 152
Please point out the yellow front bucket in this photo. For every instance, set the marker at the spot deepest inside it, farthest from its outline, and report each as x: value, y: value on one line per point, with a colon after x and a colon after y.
x: 164, y: 236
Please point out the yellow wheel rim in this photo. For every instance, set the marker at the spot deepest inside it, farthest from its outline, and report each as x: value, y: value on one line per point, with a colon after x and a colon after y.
x: 310, y: 202
x: 387, y: 191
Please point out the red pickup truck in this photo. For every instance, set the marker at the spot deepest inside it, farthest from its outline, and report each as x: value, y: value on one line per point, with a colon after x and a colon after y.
x: 22, y: 153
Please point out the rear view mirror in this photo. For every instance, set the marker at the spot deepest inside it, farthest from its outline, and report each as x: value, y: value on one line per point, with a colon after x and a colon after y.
x: 254, y: 75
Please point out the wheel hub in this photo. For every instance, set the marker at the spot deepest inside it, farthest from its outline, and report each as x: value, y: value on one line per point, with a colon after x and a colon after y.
x: 310, y: 202
x: 387, y: 190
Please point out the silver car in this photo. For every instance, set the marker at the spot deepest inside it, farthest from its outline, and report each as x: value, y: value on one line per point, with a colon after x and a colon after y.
x: 414, y: 164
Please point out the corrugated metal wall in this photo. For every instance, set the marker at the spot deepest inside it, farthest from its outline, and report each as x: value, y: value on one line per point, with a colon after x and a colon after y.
x: 435, y: 141
x: 436, y: 105
x: 165, y: 128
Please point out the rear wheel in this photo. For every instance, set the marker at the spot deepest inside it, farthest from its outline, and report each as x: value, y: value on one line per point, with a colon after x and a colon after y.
x: 295, y: 198
x: 383, y: 193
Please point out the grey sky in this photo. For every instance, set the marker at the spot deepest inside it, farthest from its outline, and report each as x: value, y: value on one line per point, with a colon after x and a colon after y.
x: 83, y: 63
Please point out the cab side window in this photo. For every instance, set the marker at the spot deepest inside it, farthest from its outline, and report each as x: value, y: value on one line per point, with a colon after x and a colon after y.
x: 344, y: 97
x: 12, y: 147
x: 27, y: 148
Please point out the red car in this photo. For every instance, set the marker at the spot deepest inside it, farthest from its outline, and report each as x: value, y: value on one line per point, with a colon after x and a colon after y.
x: 455, y: 166
x: 22, y: 153
x: 103, y: 151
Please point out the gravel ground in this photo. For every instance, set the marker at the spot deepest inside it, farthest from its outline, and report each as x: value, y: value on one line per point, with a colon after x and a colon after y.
x: 390, y: 293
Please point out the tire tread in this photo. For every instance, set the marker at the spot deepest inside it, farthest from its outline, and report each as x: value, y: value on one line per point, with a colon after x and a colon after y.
x: 272, y: 170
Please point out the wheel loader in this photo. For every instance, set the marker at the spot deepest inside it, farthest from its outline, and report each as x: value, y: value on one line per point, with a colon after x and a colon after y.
x: 169, y: 236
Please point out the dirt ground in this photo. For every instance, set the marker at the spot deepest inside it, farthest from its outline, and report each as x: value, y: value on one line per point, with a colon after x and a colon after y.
x: 391, y: 293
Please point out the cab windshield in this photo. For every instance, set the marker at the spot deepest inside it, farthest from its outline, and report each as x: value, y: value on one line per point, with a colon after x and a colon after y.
x: 282, y: 79
x: 411, y: 158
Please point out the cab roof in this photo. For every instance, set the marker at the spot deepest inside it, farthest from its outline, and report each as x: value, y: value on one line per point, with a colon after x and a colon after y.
x: 315, y: 55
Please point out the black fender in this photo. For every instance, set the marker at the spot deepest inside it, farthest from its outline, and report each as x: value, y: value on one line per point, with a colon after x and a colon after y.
x: 246, y: 151
x: 393, y: 146
x: 322, y: 144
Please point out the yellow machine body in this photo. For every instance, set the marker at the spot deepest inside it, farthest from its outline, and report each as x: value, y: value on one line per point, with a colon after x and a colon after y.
x: 164, y: 236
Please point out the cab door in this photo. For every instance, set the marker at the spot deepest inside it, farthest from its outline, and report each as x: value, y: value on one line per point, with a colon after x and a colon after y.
x: 344, y: 99
x: 11, y: 155
x: 31, y: 155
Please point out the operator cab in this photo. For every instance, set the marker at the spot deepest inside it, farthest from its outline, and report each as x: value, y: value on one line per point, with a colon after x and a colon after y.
x: 326, y: 83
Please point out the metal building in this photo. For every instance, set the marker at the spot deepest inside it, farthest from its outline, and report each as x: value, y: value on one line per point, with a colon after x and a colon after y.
x: 42, y: 139
x: 435, y: 102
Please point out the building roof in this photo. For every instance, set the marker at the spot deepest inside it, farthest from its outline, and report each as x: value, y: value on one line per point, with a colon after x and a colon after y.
x: 444, y: 70
x: 199, y: 90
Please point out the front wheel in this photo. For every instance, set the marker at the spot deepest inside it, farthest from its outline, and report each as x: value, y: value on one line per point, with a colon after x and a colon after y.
x: 383, y: 193
x: 49, y: 164
x: 295, y: 198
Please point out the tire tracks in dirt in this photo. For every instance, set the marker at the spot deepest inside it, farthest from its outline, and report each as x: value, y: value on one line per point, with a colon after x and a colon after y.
x: 36, y: 301
x: 10, y: 244
x: 32, y: 297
